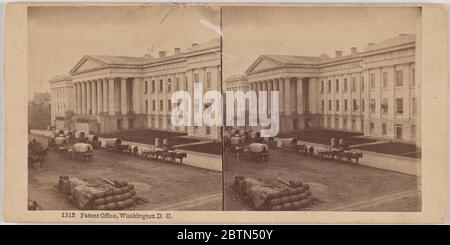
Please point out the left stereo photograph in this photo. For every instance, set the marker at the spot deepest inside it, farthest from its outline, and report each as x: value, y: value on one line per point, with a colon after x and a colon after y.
x: 103, y: 83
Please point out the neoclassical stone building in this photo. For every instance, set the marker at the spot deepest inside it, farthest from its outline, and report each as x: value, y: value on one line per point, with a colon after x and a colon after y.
x: 62, y: 101
x: 113, y: 93
x: 376, y: 91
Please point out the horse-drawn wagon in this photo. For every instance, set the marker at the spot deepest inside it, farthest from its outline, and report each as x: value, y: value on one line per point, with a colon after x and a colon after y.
x: 93, y: 140
x: 115, y: 145
x: 164, y: 154
x: 80, y: 151
x: 257, y: 152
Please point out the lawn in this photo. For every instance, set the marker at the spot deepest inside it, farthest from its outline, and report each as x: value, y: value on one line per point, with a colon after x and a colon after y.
x: 148, y: 136
x: 323, y: 136
x: 398, y: 149
x: 210, y: 148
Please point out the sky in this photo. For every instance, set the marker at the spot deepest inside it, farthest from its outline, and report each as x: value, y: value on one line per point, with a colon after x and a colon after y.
x: 58, y: 37
x: 252, y: 31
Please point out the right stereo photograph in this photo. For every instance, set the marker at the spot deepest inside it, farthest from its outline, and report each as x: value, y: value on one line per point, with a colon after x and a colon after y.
x: 323, y: 108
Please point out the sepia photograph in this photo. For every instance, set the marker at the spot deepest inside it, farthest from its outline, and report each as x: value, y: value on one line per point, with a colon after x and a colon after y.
x: 349, y: 120
x: 208, y: 113
x: 100, y: 83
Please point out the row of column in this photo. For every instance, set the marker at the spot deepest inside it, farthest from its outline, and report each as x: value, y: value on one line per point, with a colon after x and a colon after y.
x: 107, y: 95
x: 291, y: 95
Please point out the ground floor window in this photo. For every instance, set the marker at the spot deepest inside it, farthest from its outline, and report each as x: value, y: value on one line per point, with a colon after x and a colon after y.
x: 398, y: 129
x: 353, y: 124
x: 384, y: 128
x: 160, y: 122
x: 130, y: 123
x: 208, y: 130
x: 371, y: 128
x: 329, y: 122
x: 344, y: 123
x: 336, y: 123
x: 119, y: 124
x: 295, y: 124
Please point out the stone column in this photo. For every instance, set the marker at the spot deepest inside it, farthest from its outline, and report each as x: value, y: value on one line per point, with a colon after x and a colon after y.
x: 112, y: 109
x: 75, y: 87
x: 105, y: 95
x: 137, y: 93
x: 300, y: 104
x: 287, y: 96
x: 123, y: 96
x: 94, y: 97
x: 280, y: 85
x: 89, y: 98
x: 99, y: 96
x: 83, y: 98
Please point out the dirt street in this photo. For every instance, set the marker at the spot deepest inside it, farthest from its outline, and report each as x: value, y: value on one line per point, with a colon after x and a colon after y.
x: 341, y: 186
x: 167, y: 186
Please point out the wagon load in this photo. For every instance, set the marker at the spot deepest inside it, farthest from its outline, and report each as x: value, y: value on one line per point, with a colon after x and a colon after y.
x: 274, y: 195
x: 258, y: 147
x: 82, y: 147
x: 115, y: 144
x: 59, y: 140
x: 98, y: 194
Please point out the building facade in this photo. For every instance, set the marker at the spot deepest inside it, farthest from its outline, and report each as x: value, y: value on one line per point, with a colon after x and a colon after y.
x: 113, y: 93
x: 236, y: 83
x: 61, y: 102
x: 376, y: 91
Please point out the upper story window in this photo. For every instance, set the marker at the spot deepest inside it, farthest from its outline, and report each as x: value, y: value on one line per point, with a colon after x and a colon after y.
x: 372, y: 80
x: 399, y: 105
x: 177, y: 83
x: 329, y: 86
x: 337, y: 85
x: 372, y: 105
x: 362, y: 83
x: 345, y: 85
x: 153, y: 86
x: 208, y: 79
x: 354, y: 84
x: 337, y: 105
x: 384, y: 106
x: 399, y: 78
x: 161, y: 85
x: 385, y: 79
x: 321, y: 87
x: 413, y: 77
x: 169, y: 85
x: 146, y: 87
x: 196, y: 78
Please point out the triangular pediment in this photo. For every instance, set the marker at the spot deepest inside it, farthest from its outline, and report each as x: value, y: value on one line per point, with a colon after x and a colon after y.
x: 87, y: 63
x: 263, y: 63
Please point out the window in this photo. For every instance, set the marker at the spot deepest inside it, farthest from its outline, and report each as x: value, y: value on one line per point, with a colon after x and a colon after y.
x: 354, y: 84
x: 355, y: 105
x: 186, y: 83
x: 413, y: 77
x: 196, y: 80
x: 336, y: 123
x: 321, y: 87
x: 345, y: 105
x: 153, y: 122
x: 160, y: 122
x: 208, y: 130
x: 398, y: 130
x: 146, y: 106
x: 385, y: 79
x: 399, y: 105
x: 329, y: 105
x: 323, y: 106
x: 372, y: 105
x: 413, y: 131
x: 177, y: 83
x: 363, y: 105
x: 337, y: 105
x: 329, y: 122
x: 168, y: 122
x: 153, y: 86
x: 153, y: 105
x: 337, y: 85
x: 399, y: 78
x: 353, y: 124
x: 362, y: 83
x: 414, y: 106
x: 345, y: 85
x: 384, y: 106
x: 161, y: 105
x: 371, y: 128
x: 383, y: 128
x: 208, y: 79
x: 145, y: 87
x: 344, y: 123
x: 160, y: 85
x: 372, y: 80
x: 329, y: 86
x: 169, y: 105
x: 169, y: 85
